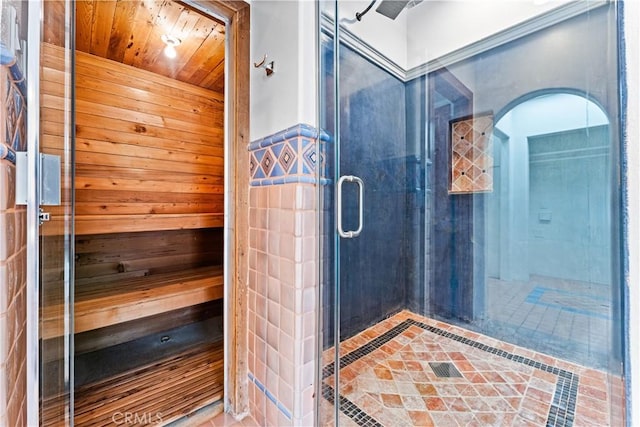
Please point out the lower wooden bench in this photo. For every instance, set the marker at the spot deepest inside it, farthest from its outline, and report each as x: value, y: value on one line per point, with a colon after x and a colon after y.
x: 108, y: 303
x: 171, y: 388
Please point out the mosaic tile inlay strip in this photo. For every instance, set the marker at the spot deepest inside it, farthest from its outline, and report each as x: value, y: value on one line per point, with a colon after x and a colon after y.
x: 14, y: 110
x: 288, y: 156
x: 405, y: 360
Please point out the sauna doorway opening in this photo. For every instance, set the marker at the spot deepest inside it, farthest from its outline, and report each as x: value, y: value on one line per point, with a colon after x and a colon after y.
x: 151, y: 244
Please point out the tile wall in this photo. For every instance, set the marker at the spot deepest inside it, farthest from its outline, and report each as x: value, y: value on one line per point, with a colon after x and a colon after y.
x: 283, y: 286
x: 12, y: 245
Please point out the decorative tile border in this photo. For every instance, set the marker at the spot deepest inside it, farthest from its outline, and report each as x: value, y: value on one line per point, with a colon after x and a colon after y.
x: 270, y: 396
x: 561, y: 411
x: 289, y: 156
x: 349, y: 408
x: 13, y: 105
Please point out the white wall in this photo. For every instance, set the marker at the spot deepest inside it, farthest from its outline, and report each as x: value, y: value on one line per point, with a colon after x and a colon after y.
x: 286, y: 32
x: 552, y: 113
x: 538, y: 116
x: 388, y: 36
x: 435, y: 28
x: 438, y: 27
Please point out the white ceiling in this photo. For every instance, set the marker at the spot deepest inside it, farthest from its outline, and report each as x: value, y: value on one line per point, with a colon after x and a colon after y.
x: 435, y: 28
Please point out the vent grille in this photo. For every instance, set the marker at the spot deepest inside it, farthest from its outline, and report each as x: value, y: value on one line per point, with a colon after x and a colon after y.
x: 445, y: 370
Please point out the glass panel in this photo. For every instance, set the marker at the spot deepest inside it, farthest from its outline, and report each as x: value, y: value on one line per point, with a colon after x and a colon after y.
x: 56, y: 242
x: 488, y: 267
x: 328, y: 244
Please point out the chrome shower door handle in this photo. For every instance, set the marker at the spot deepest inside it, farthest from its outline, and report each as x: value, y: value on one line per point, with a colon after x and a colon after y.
x: 360, y: 184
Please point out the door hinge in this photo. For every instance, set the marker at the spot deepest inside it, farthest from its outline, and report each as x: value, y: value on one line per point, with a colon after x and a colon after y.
x: 49, y: 173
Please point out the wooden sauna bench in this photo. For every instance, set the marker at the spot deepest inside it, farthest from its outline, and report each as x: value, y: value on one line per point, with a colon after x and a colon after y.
x: 173, y: 387
x: 104, y: 304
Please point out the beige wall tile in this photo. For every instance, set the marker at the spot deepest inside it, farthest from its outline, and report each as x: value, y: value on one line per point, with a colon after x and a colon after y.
x: 287, y: 221
x: 288, y: 271
x: 262, y: 240
x: 274, y: 215
x: 309, y: 275
x: 287, y: 321
x: 4, y: 389
x: 273, y: 246
x: 262, y: 197
x: 12, y: 296
x: 273, y: 290
x: 274, y: 196
x: 282, y: 284
x: 7, y: 185
x: 273, y: 313
x: 262, y: 217
x: 288, y: 297
x: 15, y: 275
x: 273, y: 265
x: 273, y: 335
x: 8, y: 231
x: 285, y: 394
x: 4, y: 291
x: 272, y: 418
x: 287, y: 373
x: 273, y: 367
x: 288, y: 197
x: 13, y: 410
x: 21, y: 228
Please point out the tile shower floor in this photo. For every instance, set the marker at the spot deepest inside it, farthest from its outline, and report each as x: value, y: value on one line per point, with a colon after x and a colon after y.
x: 389, y: 377
x: 566, y: 318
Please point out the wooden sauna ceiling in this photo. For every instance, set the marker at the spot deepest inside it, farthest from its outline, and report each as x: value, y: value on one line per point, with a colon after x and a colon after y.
x: 130, y: 32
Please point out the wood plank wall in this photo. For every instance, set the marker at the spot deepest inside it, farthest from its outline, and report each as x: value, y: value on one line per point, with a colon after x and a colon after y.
x: 149, y: 149
x: 149, y: 176
x: 108, y: 257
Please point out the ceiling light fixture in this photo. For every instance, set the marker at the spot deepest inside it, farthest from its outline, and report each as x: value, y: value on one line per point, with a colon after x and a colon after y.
x: 171, y: 42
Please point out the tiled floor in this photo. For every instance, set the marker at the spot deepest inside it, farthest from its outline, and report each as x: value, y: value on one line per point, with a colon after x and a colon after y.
x: 387, y: 378
x: 226, y: 420
x: 566, y: 318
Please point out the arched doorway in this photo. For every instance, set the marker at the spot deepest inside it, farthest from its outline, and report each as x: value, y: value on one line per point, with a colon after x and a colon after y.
x: 548, y: 225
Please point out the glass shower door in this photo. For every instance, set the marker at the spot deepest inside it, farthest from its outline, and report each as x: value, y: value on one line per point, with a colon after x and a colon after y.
x: 463, y: 242
x: 376, y: 201
x: 50, y: 215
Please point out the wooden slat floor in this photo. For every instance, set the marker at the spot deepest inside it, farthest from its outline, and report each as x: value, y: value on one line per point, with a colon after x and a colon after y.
x: 156, y: 394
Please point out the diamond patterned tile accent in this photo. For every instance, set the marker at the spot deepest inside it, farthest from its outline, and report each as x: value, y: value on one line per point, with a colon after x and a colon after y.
x: 310, y: 157
x: 267, y: 162
x: 252, y: 165
x: 386, y: 373
x: 471, y: 155
x: 287, y: 158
